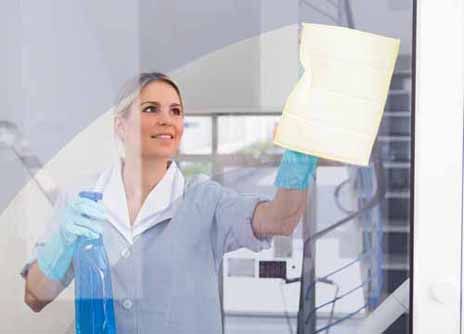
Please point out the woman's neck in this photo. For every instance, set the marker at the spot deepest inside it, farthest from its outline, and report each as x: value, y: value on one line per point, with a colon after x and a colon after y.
x: 141, y: 176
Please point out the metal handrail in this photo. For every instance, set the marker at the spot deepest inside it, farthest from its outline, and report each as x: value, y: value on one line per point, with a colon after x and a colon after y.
x: 344, y: 10
x: 320, y: 11
x: 349, y: 14
x: 374, y: 201
x: 307, y: 291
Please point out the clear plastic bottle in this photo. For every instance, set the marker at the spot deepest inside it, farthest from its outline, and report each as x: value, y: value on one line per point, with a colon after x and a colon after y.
x: 93, y: 290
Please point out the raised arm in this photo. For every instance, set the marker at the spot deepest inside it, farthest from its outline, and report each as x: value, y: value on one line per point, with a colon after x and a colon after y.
x: 281, y: 215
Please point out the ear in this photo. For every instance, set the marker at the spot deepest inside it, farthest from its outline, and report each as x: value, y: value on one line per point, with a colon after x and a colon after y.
x: 119, y: 128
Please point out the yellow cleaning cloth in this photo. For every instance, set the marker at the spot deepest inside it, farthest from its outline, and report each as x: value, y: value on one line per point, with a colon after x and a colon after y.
x: 334, y: 111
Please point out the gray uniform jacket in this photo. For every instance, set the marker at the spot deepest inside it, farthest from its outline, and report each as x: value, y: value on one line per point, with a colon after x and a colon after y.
x: 166, y: 279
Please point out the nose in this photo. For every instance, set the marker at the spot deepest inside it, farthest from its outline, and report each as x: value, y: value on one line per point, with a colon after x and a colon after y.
x: 164, y: 117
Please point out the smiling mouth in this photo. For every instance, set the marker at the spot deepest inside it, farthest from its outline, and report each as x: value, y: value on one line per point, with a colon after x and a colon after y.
x: 163, y: 137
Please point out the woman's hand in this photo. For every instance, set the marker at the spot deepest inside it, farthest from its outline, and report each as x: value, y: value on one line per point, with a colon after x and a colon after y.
x: 81, y: 218
x: 295, y: 170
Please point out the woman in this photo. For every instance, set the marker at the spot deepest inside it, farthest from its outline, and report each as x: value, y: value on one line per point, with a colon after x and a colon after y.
x: 164, y: 240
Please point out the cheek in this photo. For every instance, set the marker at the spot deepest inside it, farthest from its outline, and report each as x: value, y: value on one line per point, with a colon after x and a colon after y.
x: 180, y: 132
x: 145, y: 126
x: 145, y: 129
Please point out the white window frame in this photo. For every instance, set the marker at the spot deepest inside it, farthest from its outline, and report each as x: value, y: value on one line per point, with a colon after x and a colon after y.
x: 438, y: 157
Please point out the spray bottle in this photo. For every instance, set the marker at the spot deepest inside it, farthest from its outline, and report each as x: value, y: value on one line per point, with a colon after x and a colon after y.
x: 93, y: 290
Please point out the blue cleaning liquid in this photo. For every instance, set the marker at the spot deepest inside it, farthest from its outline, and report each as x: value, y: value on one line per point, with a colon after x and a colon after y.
x: 94, y: 309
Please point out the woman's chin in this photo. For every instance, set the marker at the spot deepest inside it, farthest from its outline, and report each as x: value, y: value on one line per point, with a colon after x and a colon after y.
x: 158, y: 155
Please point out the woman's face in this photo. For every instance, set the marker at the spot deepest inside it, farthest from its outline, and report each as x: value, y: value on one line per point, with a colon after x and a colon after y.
x: 155, y: 124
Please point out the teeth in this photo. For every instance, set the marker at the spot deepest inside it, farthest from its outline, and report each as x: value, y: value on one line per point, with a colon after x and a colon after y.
x: 164, y: 136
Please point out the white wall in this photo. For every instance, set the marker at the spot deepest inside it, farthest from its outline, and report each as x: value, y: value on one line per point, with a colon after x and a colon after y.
x: 438, y: 167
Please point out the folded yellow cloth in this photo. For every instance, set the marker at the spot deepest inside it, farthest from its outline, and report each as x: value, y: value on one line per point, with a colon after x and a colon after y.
x: 335, y: 109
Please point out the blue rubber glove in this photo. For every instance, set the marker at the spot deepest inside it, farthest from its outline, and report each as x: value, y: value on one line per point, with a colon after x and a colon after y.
x: 82, y: 217
x: 295, y: 170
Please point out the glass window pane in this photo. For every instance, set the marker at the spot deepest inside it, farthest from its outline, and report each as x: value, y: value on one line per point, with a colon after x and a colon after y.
x: 197, y: 138
x: 358, y: 265
x: 67, y: 65
x: 246, y: 134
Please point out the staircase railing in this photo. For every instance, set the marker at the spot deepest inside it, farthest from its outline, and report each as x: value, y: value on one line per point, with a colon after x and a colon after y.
x: 336, y: 11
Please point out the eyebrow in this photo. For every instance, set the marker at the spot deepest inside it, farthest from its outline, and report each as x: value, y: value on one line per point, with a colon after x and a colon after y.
x: 157, y: 103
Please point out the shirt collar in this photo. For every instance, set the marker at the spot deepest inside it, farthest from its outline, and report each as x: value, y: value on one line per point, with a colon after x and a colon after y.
x: 159, y: 205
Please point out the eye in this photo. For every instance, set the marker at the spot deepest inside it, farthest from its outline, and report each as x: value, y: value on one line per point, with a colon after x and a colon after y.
x: 150, y: 109
x: 177, y: 111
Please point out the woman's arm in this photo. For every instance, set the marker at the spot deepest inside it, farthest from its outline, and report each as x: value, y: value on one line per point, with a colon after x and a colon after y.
x: 40, y: 290
x: 82, y: 217
x: 281, y: 215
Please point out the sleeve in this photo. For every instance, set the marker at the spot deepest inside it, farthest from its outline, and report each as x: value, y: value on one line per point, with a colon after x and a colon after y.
x: 51, y: 227
x: 232, y: 221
